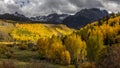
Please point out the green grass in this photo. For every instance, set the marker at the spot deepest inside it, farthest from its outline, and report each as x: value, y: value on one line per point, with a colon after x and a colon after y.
x: 27, y: 59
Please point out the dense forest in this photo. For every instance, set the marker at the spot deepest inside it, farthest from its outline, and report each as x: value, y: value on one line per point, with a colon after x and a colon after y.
x: 96, y: 43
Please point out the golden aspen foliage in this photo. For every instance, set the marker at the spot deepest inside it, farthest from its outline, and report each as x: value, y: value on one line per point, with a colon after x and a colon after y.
x: 66, y: 57
x: 54, y: 50
x: 76, y: 47
x: 32, y: 32
x: 108, y: 30
x: 43, y: 44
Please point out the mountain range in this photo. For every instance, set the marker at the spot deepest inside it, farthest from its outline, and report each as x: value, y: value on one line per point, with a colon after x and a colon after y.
x: 84, y: 17
x: 15, y: 17
x: 76, y: 21
x: 52, y: 18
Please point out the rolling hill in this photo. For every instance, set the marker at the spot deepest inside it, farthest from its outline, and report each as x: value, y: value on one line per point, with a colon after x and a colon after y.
x: 11, y: 30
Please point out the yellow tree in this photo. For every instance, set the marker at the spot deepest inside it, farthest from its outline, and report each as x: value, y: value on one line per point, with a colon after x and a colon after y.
x: 43, y: 44
x: 76, y: 47
x: 58, y: 52
x: 54, y: 50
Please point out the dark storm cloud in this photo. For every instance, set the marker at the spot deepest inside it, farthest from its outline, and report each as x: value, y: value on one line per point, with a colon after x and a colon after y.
x: 66, y: 6
x: 45, y: 7
x: 60, y: 6
x: 86, y: 3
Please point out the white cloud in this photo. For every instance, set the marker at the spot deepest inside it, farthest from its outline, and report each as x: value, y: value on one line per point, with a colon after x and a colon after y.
x: 9, y: 1
x: 111, y: 5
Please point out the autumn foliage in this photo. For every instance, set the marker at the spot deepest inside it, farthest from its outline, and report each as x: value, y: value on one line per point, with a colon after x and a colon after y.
x: 93, y: 45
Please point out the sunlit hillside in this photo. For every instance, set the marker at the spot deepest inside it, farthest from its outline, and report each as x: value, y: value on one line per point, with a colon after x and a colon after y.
x: 107, y: 28
x: 32, y: 32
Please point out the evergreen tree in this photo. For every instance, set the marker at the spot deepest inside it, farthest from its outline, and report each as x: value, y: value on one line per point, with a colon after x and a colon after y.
x: 94, y: 46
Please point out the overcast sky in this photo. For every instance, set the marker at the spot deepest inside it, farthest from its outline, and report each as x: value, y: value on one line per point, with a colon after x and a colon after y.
x: 44, y: 7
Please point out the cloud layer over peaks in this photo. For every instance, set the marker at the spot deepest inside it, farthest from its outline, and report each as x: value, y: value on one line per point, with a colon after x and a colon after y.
x: 45, y: 7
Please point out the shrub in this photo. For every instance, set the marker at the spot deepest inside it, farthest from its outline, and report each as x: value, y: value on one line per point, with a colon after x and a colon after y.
x: 3, y: 49
x: 109, y: 57
x: 8, y: 54
x: 88, y: 65
x: 10, y: 45
x: 23, y: 47
x: 32, y: 47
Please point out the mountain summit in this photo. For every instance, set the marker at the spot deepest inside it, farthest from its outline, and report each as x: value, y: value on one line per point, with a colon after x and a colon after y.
x: 84, y: 17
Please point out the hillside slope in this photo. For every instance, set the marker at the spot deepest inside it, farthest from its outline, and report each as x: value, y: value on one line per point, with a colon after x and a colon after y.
x: 107, y: 28
x: 32, y: 32
x: 12, y: 30
x: 5, y: 30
